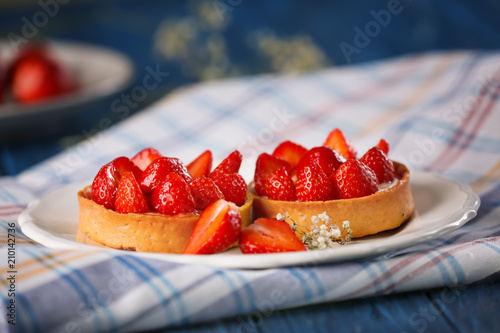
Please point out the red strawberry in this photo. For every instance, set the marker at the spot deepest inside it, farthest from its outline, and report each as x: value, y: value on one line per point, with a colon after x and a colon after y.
x: 267, y: 235
x: 143, y: 158
x: 290, y: 152
x: 35, y: 76
x: 233, y: 186
x: 129, y: 197
x: 201, y: 166
x: 325, y: 157
x: 158, y: 169
x: 353, y: 179
x: 123, y: 164
x: 172, y: 196
x: 280, y: 186
x: 107, y: 179
x: 314, y: 185
x: 217, y: 229
x: 380, y: 164
x: 230, y: 164
x: 267, y: 164
x: 384, y: 146
x: 338, y: 142
x: 204, y: 192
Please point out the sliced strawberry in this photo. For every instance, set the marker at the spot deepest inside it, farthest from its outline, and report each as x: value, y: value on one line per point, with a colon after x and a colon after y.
x: 230, y: 164
x: 353, y: 179
x: 201, y: 166
x: 338, y: 142
x: 158, y: 169
x: 314, y: 185
x: 380, y: 164
x: 280, y: 186
x: 384, y: 146
x: 265, y: 165
x: 124, y: 164
x: 267, y: 235
x: 143, y: 158
x: 325, y: 157
x: 290, y: 152
x: 218, y: 227
x: 204, y: 192
x: 107, y: 179
x: 173, y: 196
x: 129, y: 197
x: 233, y: 186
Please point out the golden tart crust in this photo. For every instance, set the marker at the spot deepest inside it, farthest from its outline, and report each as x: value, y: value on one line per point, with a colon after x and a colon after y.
x: 148, y: 232
x: 383, y: 210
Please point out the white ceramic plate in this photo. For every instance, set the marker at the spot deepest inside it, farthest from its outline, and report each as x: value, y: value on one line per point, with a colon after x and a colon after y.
x: 441, y: 207
x: 99, y: 72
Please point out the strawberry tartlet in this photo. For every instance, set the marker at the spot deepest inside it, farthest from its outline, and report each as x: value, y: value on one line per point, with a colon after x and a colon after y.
x: 371, y: 193
x: 154, y: 203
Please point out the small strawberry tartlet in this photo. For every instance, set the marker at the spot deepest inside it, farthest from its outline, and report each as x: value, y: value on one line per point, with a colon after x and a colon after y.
x: 369, y: 194
x: 154, y: 203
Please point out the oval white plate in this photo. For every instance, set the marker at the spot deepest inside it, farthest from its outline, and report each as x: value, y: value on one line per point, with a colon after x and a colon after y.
x: 99, y: 72
x: 442, y: 206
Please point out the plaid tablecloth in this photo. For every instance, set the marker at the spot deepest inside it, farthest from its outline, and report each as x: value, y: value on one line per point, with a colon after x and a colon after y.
x: 439, y: 112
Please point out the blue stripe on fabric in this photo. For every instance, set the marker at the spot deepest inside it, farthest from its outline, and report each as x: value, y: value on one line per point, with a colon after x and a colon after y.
x: 246, y: 286
x: 175, y: 293
x: 223, y: 111
x: 374, y: 276
x: 433, y: 256
x: 318, y: 282
x: 6, y: 195
x: 492, y: 246
x: 27, y: 311
x: 189, y: 136
x: 67, y: 278
x: 232, y: 288
x: 457, y: 268
x: 303, y: 283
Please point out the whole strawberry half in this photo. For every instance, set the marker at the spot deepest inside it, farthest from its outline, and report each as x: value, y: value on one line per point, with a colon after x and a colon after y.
x: 233, y: 186
x: 144, y: 158
x: 231, y: 164
x: 353, y: 179
x: 265, y: 165
x: 217, y: 229
x: 380, y: 164
x: 129, y: 196
x: 338, y: 142
x: 325, y: 157
x: 267, y: 235
x: 204, y: 192
x: 105, y: 183
x: 172, y: 196
x: 314, y: 185
x: 280, y: 186
x: 290, y: 152
x: 158, y: 169
x: 201, y: 165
